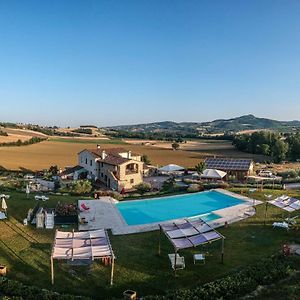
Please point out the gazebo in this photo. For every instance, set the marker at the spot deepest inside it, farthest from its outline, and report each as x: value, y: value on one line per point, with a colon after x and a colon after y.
x: 83, y: 245
x: 187, y: 234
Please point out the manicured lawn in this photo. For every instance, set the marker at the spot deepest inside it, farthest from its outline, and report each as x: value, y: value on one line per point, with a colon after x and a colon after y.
x: 26, y: 251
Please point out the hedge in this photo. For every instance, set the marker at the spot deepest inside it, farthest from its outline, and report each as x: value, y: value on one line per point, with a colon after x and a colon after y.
x: 266, y: 271
x: 17, y: 290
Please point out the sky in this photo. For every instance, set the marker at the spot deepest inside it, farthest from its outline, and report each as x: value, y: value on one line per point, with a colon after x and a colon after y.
x: 69, y: 63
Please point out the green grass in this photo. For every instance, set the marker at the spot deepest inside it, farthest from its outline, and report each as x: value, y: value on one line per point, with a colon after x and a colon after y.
x: 26, y: 252
x: 87, y: 141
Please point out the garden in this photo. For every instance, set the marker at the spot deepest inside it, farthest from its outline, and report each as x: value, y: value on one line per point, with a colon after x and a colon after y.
x: 26, y: 250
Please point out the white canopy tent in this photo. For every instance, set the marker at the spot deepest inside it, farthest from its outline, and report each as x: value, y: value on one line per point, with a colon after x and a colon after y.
x: 83, y: 245
x: 171, y: 168
x: 213, y: 174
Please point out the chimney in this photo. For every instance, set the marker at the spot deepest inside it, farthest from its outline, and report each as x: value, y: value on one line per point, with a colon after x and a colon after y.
x: 98, y: 146
x: 129, y: 154
x: 103, y: 154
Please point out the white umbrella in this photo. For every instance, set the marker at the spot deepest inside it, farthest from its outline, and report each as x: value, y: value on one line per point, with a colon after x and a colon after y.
x: 4, y: 205
x: 171, y: 168
x: 213, y: 174
x: 27, y: 189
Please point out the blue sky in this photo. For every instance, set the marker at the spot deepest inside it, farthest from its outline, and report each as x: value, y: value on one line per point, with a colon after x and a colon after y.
x: 123, y: 62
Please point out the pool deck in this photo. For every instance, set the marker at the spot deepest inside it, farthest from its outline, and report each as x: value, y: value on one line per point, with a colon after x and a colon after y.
x: 103, y: 214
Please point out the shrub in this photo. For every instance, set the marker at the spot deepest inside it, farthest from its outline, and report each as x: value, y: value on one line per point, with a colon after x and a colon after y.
x: 215, y: 185
x: 195, y: 188
x: 234, y: 286
x: 18, y: 291
x: 143, y: 187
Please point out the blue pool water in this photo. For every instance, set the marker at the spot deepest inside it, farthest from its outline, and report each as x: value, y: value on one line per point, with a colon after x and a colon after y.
x: 175, y: 207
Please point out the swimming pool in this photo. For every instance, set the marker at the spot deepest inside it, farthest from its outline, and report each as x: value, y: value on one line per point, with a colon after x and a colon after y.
x: 138, y: 212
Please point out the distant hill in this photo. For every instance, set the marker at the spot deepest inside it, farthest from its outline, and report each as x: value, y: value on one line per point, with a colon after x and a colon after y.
x: 247, y: 122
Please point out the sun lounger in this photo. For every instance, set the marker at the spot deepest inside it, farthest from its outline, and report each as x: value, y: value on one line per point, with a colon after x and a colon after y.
x: 291, y: 221
x: 281, y: 225
x: 84, y: 207
x: 180, y: 264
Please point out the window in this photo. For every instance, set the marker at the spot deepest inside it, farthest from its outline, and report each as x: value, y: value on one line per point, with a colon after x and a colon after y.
x: 86, y: 161
x: 131, y: 181
x: 101, y: 174
x: 102, y: 165
x: 91, y: 162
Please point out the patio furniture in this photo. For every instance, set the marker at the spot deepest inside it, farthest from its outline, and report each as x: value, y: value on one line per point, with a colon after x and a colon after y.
x: 180, y: 264
x: 84, y: 207
x: 199, y: 257
x: 281, y: 225
x: 291, y: 221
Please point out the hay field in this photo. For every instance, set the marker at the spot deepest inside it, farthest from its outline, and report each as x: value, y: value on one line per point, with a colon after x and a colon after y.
x: 63, y: 153
x: 19, y: 134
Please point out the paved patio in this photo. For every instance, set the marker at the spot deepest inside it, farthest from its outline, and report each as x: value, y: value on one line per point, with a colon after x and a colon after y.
x: 103, y: 214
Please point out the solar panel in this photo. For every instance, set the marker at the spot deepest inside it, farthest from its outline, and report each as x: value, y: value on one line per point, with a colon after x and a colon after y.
x: 228, y: 164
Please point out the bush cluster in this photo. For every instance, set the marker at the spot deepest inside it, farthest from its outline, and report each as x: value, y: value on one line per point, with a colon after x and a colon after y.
x: 19, y: 291
x: 19, y: 143
x: 266, y: 271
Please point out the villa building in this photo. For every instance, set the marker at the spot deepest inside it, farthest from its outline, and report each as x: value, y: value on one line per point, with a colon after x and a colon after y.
x: 117, y: 168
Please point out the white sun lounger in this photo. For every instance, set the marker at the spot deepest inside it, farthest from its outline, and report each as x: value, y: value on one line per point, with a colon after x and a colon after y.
x: 281, y: 225
x: 180, y: 264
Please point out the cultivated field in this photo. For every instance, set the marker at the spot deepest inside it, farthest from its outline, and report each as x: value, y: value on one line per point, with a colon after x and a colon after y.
x: 63, y: 152
x: 19, y: 134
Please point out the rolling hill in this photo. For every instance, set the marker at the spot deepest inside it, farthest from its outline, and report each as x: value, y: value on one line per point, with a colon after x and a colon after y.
x: 247, y: 122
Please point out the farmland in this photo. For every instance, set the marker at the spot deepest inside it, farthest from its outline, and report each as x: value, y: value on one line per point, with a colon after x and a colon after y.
x: 19, y: 134
x: 63, y: 152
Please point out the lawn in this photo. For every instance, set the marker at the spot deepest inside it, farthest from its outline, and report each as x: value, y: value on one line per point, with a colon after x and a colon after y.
x: 26, y: 252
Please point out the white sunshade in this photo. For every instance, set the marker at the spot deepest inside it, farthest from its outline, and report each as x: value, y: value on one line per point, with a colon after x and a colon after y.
x: 3, y: 204
x: 286, y: 203
x: 81, y: 245
x: 171, y: 168
x: 213, y: 174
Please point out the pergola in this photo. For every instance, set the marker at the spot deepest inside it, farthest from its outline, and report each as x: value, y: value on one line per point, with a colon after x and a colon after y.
x: 286, y: 203
x: 83, y: 245
x: 187, y: 234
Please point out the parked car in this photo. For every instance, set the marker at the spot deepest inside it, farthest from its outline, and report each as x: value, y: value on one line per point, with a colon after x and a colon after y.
x: 266, y: 173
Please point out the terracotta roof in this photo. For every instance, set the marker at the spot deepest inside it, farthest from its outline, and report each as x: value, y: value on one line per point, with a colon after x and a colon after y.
x: 114, y: 151
x: 112, y: 155
x: 114, y: 159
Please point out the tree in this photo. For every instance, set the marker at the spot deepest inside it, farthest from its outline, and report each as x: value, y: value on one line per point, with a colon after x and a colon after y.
x: 53, y: 170
x: 294, y: 146
x: 279, y: 150
x: 200, y: 167
x: 146, y: 159
x: 175, y: 146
